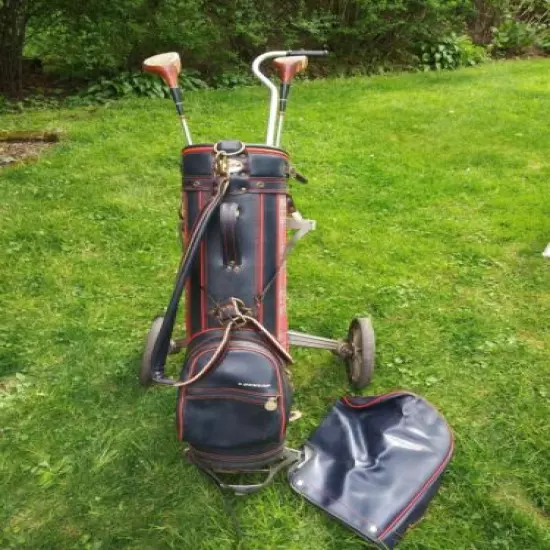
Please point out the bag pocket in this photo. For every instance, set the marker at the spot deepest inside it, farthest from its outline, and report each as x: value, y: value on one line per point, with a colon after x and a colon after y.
x: 241, y: 405
x: 223, y: 418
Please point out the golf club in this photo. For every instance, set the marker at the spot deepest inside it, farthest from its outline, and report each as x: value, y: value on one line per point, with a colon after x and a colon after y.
x: 168, y: 67
x: 270, y: 137
x: 287, y: 67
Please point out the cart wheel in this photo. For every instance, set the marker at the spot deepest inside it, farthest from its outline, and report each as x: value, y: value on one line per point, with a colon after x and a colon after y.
x: 360, y: 366
x: 146, y: 372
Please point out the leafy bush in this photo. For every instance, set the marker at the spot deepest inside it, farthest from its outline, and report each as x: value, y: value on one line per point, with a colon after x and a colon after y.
x: 444, y: 54
x: 137, y: 84
x: 232, y: 80
x: 471, y: 54
x: 543, y: 38
x: 219, y: 39
x: 524, y: 27
x: 514, y: 37
x: 452, y: 52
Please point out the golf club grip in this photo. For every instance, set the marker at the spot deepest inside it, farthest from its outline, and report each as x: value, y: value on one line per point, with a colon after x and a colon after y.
x: 310, y: 53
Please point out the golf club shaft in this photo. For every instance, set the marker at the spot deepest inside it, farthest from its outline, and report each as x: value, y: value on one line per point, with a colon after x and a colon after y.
x: 177, y: 96
x: 280, y: 128
x: 185, y: 129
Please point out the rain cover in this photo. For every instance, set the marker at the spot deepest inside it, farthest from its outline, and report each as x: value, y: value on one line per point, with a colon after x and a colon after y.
x: 375, y: 463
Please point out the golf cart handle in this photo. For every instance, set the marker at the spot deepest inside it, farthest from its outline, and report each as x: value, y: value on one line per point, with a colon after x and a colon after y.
x: 274, y: 101
x: 310, y: 53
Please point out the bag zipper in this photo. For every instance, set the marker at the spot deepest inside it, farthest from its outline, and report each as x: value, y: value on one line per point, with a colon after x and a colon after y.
x: 269, y: 402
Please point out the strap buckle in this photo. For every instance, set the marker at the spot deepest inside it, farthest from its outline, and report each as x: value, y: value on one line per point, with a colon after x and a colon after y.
x: 221, y: 164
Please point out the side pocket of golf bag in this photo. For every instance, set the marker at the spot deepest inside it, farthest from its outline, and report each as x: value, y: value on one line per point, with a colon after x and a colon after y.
x: 235, y: 417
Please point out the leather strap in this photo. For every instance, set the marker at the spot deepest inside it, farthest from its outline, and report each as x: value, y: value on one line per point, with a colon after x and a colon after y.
x: 162, y: 344
x: 212, y: 362
x: 229, y: 214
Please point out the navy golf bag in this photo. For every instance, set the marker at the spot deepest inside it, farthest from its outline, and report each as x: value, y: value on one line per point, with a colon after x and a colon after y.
x: 234, y: 396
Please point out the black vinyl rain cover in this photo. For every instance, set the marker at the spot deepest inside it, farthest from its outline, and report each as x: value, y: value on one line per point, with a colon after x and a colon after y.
x: 375, y: 463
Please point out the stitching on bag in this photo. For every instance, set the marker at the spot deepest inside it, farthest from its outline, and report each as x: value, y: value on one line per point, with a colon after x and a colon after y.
x: 205, y: 391
x: 204, y: 149
x: 244, y: 399
x: 201, y: 269
x: 188, y: 282
x: 234, y: 236
x: 422, y: 491
x: 260, y: 275
x: 198, y: 150
x: 204, y: 285
x: 380, y: 399
x: 219, y: 329
x: 267, y: 152
x: 431, y: 479
x: 182, y: 390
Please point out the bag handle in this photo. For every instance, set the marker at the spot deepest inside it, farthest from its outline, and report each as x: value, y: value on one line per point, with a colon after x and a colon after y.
x: 229, y: 215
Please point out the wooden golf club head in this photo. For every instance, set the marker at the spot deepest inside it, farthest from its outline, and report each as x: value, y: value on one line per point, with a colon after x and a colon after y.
x: 166, y: 65
x: 287, y: 67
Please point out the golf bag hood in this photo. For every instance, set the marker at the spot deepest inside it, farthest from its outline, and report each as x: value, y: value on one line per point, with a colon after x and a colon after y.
x: 375, y: 463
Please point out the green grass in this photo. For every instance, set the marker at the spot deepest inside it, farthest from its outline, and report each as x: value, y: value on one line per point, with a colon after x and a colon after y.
x: 432, y: 197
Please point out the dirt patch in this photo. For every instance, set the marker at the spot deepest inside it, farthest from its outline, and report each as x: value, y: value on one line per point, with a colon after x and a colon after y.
x: 21, y: 146
x: 20, y: 151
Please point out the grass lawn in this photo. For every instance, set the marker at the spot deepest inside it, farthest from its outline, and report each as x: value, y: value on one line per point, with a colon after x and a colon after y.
x: 432, y: 197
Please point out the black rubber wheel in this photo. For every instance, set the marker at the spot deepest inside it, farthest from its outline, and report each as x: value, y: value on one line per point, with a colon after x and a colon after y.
x: 146, y: 371
x: 360, y: 365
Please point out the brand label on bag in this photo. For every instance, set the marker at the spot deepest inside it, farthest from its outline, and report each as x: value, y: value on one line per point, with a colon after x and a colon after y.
x: 252, y: 385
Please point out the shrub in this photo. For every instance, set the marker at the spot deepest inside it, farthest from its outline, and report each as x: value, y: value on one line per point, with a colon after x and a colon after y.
x: 514, y: 37
x: 452, y: 52
x: 444, y: 54
x: 137, y: 84
x: 523, y: 27
x: 96, y: 39
x: 471, y: 54
x: 543, y: 38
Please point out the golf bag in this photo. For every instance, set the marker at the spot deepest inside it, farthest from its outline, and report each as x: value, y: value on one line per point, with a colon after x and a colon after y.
x: 234, y: 396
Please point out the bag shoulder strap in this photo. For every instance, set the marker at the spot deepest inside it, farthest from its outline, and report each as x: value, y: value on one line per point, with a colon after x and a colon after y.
x: 162, y: 344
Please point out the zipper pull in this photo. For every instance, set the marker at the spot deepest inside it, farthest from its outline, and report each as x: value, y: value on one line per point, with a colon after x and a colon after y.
x: 293, y: 173
x: 271, y: 404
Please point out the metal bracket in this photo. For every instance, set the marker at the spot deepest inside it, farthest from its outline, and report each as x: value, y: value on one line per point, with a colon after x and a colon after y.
x: 301, y: 339
x: 301, y: 226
